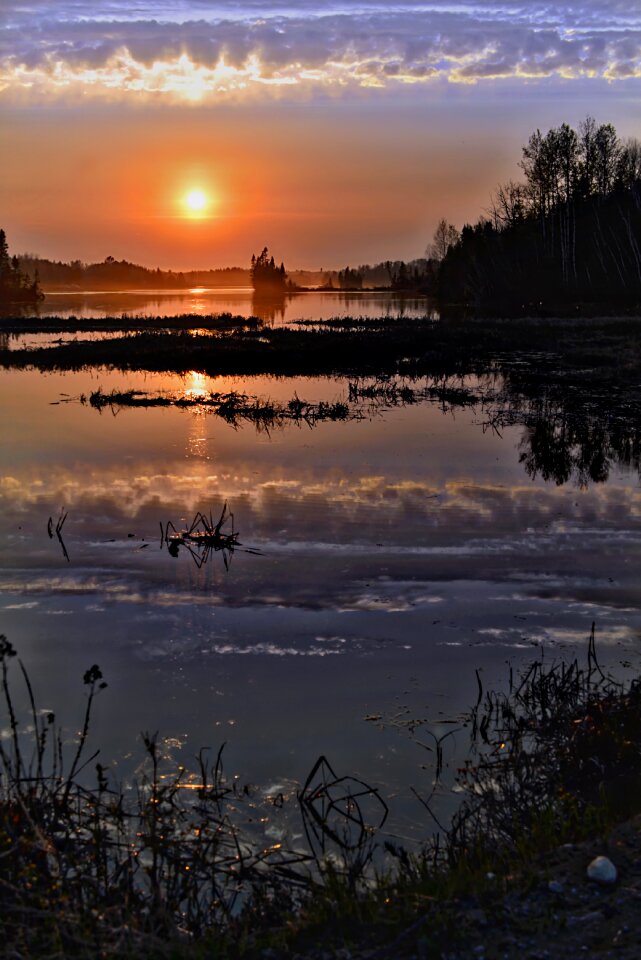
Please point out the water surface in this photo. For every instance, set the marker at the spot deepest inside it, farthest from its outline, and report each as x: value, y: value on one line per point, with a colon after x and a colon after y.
x: 390, y: 556
x: 241, y: 301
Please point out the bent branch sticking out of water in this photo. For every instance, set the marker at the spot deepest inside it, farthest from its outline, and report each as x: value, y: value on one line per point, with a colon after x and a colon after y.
x: 58, y: 532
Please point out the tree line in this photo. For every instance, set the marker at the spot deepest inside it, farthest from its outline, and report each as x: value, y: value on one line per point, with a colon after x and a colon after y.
x: 568, y: 235
x: 16, y: 286
x: 409, y: 276
x: 113, y: 274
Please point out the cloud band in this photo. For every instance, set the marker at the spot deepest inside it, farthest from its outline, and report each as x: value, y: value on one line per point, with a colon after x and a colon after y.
x: 199, y: 53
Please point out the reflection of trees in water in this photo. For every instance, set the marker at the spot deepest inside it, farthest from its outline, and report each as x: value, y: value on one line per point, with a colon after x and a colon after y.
x: 269, y: 307
x: 559, y: 450
x: 395, y: 304
x: 579, y: 435
x: 10, y: 310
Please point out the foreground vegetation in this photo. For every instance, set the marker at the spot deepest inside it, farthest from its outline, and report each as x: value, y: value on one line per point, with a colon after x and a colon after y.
x: 172, y: 866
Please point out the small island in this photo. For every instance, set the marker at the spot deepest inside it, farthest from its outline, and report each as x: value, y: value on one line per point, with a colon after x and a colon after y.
x: 266, y: 278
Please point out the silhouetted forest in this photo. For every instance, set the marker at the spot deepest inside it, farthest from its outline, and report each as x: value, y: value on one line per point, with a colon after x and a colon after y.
x: 566, y: 239
x: 415, y: 276
x: 16, y: 286
x: 112, y: 274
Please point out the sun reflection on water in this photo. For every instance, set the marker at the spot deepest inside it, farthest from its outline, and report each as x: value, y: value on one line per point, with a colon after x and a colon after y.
x: 195, y: 386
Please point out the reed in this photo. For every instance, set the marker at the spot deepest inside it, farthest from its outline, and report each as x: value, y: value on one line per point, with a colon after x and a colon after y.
x: 171, y: 868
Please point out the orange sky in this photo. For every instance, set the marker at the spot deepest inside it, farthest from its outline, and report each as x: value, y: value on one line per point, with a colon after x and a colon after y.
x: 330, y: 146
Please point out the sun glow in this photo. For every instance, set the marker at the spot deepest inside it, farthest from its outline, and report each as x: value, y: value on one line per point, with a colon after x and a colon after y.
x: 196, y: 201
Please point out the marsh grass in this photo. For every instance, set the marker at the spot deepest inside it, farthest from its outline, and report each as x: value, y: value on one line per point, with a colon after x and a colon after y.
x: 90, y: 869
x: 365, y: 398
x: 169, y: 867
x: 347, y: 346
x: 233, y: 407
x: 204, y: 537
x: 127, y: 323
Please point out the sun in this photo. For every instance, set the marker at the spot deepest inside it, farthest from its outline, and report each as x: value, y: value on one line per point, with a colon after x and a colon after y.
x: 196, y: 201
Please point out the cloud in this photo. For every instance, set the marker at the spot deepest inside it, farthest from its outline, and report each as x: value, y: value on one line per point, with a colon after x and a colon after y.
x: 197, y: 51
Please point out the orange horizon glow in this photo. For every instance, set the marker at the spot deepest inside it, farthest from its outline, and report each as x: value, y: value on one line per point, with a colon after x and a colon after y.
x: 90, y: 183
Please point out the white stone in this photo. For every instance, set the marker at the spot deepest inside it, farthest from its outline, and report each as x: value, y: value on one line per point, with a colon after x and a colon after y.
x: 602, y: 870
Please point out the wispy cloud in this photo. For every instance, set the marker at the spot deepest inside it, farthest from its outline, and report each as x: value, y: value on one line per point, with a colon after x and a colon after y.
x: 198, y: 51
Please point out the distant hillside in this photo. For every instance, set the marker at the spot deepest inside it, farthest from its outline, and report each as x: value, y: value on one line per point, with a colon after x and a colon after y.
x: 114, y: 274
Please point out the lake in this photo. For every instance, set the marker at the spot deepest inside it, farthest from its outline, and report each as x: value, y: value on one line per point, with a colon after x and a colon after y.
x: 381, y: 561
x: 241, y: 301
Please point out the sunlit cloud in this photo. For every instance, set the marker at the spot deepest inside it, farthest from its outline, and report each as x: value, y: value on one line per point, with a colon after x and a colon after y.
x: 198, y: 53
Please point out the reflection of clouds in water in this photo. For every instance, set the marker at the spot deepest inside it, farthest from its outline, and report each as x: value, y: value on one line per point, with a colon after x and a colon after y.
x: 553, y: 637
x: 207, y: 643
x: 363, y: 549
x: 406, y: 510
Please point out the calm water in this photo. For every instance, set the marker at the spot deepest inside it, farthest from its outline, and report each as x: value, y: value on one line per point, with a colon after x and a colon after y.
x: 397, y: 553
x: 240, y: 301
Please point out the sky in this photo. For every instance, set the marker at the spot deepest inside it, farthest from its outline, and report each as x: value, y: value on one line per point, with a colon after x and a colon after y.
x: 189, y: 134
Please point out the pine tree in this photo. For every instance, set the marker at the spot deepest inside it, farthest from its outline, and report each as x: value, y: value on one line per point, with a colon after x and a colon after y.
x: 266, y: 277
x: 15, y: 285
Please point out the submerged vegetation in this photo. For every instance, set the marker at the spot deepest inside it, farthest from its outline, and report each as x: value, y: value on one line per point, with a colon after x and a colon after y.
x: 177, y: 864
x: 203, y: 538
x: 233, y: 407
x: 345, y: 346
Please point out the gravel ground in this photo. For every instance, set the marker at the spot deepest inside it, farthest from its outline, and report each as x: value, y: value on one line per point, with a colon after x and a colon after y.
x: 556, y: 913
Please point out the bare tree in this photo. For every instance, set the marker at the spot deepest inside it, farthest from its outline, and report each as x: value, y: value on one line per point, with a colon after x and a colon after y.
x: 445, y: 236
x: 510, y: 204
x: 608, y: 150
x: 629, y: 165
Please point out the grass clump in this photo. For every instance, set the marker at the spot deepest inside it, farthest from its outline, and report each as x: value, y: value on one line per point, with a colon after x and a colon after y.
x: 232, y: 407
x: 165, y: 869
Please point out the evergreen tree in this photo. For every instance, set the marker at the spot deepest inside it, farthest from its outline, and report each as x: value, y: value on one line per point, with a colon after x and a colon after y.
x: 266, y: 277
x: 15, y: 285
